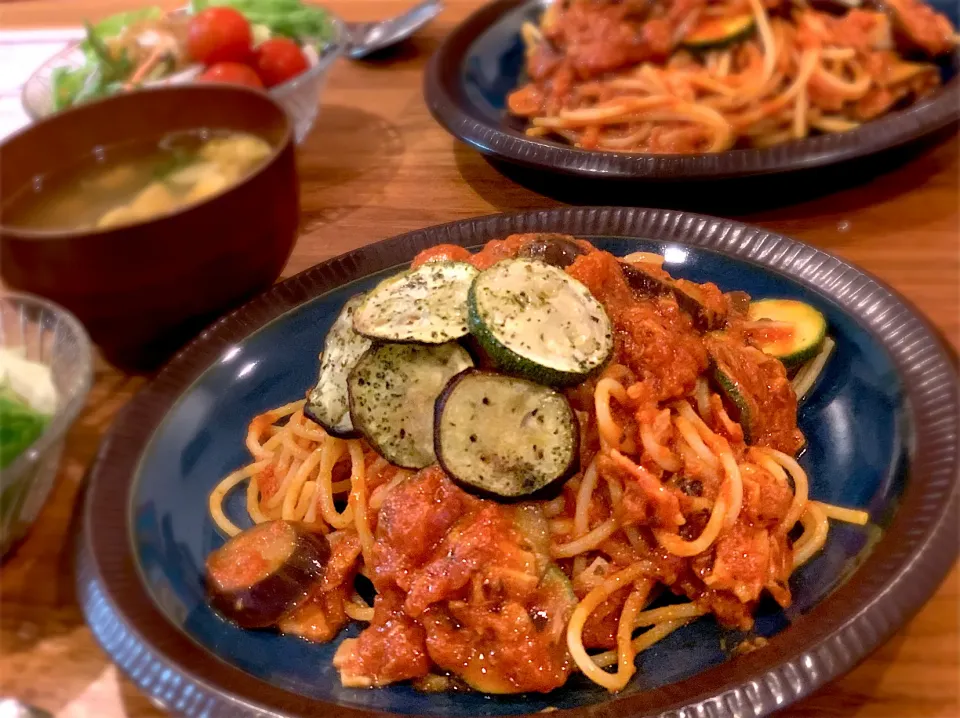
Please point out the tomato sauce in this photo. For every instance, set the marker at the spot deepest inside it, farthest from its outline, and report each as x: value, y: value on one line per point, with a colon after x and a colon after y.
x: 459, y: 585
x: 497, y: 249
x: 652, y: 336
x: 391, y: 649
x: 464, y: 587
x: 441, y: 252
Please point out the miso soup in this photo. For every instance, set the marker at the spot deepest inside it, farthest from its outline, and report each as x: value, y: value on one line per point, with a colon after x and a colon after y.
x: 136, y: 181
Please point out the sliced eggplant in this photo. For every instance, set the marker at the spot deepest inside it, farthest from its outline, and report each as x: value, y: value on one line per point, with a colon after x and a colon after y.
x: 787, y: 329
x: 558, y: 250
x: 264, y: 573
x: 688, y: 295
x: 427, y: 305
x: 503, y: 437
x: 918, y: 29
x: 716, y: 33
x: 645, y: 282
x: 739, y: 302
x: 328, y: 403
x: 536, y: 321
x: 691, y: 300
x: 392, y: 392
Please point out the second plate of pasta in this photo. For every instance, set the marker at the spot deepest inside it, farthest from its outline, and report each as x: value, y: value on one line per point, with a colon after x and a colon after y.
x: 695, y: 90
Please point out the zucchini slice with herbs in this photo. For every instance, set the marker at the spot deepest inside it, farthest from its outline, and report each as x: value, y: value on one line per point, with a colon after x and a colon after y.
x: 534, y: 530
x: 328, y: 403
x: 787, y: 329
x: 427, y: 305
x: 716, y: 33
x: 393, y: 389
x: 538, y: 322
x: 503, y: 437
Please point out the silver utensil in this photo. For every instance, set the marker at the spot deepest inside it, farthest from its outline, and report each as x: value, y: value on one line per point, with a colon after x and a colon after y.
x: 12, y: 708
x: 365, y: 38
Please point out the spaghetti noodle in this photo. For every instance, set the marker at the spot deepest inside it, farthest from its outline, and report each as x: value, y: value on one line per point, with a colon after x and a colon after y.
x: 670, y: 495
x: 686, y: 76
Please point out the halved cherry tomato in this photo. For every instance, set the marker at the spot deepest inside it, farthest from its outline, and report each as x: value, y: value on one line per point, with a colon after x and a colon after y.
x: 235, y: 73
x: 278, y: 60
x: 219, y: 34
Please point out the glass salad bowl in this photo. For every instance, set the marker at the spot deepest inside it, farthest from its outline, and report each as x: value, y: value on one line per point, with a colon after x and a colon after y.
x: 50, y: 335
x: 300, y: 96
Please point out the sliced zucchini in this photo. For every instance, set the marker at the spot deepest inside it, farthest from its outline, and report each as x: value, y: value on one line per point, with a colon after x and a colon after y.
x: 739, y: 403
x: 427, y: 305
x: 556, y: 581
x: 392, y: 392
x: 536, y: 321
x: 795, y: 330
x: 328, y: 403
x: 503, y: 437
x: 716, y: 33
x: 535, y: 530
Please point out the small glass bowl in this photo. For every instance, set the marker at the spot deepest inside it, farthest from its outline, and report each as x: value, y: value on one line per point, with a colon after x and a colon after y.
x: 300, y: 97
x: 52, y: 336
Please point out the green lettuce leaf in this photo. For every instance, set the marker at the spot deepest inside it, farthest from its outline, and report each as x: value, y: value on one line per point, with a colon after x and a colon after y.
x: 290, y: 18
x: 19, y: 426
x: 114, y: 25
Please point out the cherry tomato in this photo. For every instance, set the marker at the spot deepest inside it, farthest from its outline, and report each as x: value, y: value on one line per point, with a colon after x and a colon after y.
x: 278, y: 60
x: 219, y: 34
x: 235, y: 73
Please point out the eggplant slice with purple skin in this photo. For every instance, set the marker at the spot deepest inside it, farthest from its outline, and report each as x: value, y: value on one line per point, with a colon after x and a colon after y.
x: 505, y: 438
x: 328, y: 403
x: 648, y: 284
x: 559, y: 250
x: 392, y: 393
x: 263, y: 573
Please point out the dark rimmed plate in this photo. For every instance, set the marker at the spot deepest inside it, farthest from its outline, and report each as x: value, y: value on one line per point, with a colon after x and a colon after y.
x: 883, y: 435
x: 481, y: 61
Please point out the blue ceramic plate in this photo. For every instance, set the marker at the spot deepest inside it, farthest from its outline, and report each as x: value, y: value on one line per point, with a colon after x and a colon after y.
x: 481, y: 62
x: 881, y: 426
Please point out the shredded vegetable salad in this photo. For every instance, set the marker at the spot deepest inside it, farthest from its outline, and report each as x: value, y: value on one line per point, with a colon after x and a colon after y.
x: 28, y: 399
x: 259, y: 43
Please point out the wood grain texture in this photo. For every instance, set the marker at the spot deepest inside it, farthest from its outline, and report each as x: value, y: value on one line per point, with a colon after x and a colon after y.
x: 377, y: 165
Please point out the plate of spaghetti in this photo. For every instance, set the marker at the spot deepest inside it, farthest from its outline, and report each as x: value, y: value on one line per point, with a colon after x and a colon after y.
x: 696, y: 88
x: 554, y: 460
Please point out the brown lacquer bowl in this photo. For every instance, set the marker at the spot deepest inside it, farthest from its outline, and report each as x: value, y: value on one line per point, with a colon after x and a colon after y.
x: 143, y: 289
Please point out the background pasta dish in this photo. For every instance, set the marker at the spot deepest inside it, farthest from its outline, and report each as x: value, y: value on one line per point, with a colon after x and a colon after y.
x: 687, y: 76
x: 515, y: 462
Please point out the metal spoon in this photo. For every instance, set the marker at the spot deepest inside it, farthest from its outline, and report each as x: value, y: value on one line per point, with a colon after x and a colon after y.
x: 365, y: 38
x: 12, y: 708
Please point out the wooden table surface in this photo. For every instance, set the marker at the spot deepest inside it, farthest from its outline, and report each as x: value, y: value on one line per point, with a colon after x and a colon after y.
x: 377, y: 165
